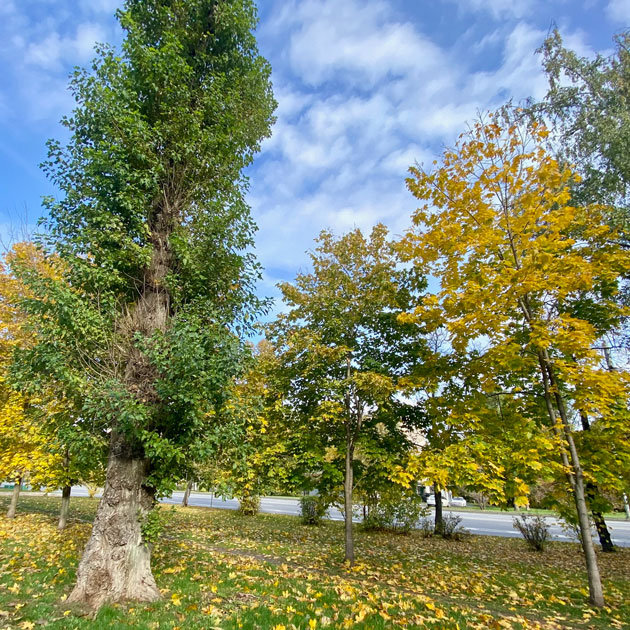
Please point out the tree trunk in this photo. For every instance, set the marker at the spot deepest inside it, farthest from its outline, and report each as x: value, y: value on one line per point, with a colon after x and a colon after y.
x: 14, y: 498
x: 596, y: 594
x: 116, y: 563
x: 602, y: 530
x: 592, y: 491
x: 594, y: 580
x: 438, y: 528
x: 626, y: 507
x: 348, y: 483
x: 65, y: 506
x: 187, y: 493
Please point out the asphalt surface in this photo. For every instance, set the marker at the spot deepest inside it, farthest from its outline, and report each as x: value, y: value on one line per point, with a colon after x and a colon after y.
x: 482, y: 523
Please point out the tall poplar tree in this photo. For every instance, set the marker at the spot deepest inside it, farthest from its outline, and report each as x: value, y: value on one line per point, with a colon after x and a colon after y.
x: 153, y: 230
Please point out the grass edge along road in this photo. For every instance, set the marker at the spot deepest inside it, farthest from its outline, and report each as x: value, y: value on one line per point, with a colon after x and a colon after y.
x: 218, y: 569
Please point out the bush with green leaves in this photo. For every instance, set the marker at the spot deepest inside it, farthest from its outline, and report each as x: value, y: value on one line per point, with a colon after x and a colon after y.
x: 395, y: 511
x: 313, y: 509
x: 451, y: 528
x: 249, y: 505
x: 152, y: 524
x: 534, y: 530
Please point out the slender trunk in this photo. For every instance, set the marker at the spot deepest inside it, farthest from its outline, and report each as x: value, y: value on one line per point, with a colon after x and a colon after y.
x: 592, y: 492
x: 596, y: 595
x: 348, y: 483
x: 626, y: 507
x: 187, y: 494
x: 14, y: 498
x: 116, y: 563
x: 439, y: 516
x: 65, y: 506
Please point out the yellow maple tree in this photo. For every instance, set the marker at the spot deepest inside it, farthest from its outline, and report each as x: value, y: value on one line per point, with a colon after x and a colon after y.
x: 531, y: 274
x: 24, y: 451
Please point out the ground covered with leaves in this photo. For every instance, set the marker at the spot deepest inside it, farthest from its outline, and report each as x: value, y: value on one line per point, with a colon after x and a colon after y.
x: 219, y: 570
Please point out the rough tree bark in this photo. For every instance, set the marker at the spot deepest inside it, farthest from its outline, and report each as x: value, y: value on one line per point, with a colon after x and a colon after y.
x: 14, y: 498
x: 187, y: 494
x: 116, y: 563
x: 65, y: 506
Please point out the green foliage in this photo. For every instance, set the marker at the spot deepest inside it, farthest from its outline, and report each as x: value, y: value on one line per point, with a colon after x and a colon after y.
x: 313, y: 508
x: 343, y: 354
x: 142, y: 331
x: 587, y: 104
x: 534, y: 530
x: 153, y: 523
x: 249, y: 504
x: 394, y: 510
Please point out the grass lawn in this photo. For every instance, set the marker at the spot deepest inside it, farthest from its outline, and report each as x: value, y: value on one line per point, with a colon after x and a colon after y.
x: 218, y: 570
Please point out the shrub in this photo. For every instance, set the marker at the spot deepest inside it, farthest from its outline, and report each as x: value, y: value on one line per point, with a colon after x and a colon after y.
x: 534, y: 530
x: 426, y: 527
x: 480, y: 499
x: 249, y: 505
x: 394, y: 511
x: 152, y: 524
x: 452, y: 528
x: 313, y: 509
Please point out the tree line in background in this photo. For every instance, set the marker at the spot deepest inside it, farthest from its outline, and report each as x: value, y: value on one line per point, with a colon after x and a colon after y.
x: 483, y: 350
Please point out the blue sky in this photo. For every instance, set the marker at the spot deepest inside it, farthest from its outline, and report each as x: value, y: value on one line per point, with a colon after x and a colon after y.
x: 365, y: 88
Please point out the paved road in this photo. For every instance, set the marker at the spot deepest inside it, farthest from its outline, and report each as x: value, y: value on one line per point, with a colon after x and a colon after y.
x: 483, y: 523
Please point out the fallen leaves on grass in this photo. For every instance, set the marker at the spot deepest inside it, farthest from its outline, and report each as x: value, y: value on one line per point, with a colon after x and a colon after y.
x: 219, y: 570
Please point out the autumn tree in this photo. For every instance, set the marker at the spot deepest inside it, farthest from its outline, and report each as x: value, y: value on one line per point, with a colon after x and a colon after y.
x: 27, y: 448
x: 480, y: 427
x: 151, y: 226
x: 344, y: 350
x: 523, y: 268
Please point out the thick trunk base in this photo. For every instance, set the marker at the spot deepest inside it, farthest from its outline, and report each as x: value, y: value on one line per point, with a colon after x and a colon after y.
x: 116, y: 563
x: 65, y: 507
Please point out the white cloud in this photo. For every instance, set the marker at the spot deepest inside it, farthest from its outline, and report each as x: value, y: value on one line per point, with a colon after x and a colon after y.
x: 352, y: 42
x: 101, y: 6
x: 499, y: 8
x: 373, y: 96
x: 618, y: 12
x: 53, y: 51
x: 86, y: 36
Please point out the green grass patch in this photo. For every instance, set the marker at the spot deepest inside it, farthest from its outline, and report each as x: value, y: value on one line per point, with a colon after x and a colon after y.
x: 219, y: 570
